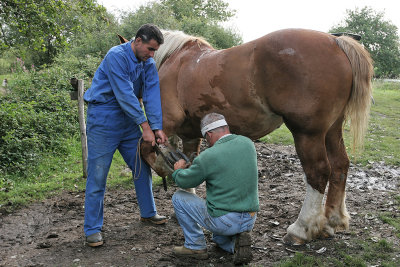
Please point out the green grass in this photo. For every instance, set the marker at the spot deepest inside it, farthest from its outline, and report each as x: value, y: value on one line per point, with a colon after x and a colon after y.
x: 3, y: 76
x: 300, y: 259
x: 281, y: 136
x: 382, y: 141
x: 360, y: 253
x: 393, y: 220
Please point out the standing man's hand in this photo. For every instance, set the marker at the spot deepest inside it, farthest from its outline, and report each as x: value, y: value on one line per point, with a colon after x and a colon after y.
x: 161, y: 138
x: 147, y: 134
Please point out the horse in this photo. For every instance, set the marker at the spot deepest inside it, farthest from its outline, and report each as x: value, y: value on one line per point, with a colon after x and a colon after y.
x: 311, y: 81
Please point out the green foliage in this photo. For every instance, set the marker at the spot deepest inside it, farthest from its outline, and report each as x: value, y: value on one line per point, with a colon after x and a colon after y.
x: 378, y: 36
x: 94, y: 44
x: 194, y: 17
x: 208, y: 11
x: 152, y: 12
x: 38, y: 114
x: 40, y: 29
x: 217, y: 36
x: 56, y: 76
x: 96, y: 36
x: 33, y: 119
x: 6, y: 61
x: 66, y: 66
x: 32, y: 23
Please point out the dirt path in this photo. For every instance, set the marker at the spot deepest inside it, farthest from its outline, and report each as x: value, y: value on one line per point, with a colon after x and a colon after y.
x: 50, y: 233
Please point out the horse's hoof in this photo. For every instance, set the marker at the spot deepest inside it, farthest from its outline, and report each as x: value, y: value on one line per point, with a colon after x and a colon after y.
x: 292, y: 240
x: 325, y: 235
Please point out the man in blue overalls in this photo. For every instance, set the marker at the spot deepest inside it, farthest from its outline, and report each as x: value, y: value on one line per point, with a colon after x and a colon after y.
x: 114, y: 115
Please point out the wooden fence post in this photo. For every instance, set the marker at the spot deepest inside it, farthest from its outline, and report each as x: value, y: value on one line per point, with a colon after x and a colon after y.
x: 82, y: 126
x: 78, y: 95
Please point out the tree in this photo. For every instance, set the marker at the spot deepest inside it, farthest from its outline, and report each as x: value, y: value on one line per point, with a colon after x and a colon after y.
x: 207, y: 10
x: 378, y: 36
x: 195, y: 17
x: 32, y: 24
x: 40, y: 29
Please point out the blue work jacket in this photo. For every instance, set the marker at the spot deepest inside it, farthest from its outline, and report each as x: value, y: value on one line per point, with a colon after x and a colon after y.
x: 123, y: 78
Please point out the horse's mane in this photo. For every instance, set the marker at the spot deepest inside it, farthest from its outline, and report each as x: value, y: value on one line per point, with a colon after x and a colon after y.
x: 174, y: 40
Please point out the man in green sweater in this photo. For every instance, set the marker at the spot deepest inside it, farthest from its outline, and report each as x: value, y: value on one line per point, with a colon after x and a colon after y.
x: 229, y: 168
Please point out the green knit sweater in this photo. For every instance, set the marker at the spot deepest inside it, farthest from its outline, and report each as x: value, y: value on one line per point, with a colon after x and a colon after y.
x: 229, y: 168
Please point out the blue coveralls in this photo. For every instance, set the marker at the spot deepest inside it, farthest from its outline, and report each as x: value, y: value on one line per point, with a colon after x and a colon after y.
x: 113, y: 118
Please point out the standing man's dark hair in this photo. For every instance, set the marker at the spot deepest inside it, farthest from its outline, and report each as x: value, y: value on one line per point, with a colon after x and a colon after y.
x: 150, y: 31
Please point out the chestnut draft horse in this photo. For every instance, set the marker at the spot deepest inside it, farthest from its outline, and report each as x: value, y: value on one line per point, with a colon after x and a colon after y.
x: 309, y: 80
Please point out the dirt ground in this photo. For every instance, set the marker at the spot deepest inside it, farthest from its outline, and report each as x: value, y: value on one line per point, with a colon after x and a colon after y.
x: 50, y: 233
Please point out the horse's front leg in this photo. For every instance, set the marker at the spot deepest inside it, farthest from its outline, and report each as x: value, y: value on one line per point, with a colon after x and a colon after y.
x: 191, y: 148
x: 311, y: 220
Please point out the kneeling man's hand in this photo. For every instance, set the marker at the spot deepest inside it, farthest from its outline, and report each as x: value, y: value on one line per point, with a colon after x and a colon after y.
x: 180, y: 164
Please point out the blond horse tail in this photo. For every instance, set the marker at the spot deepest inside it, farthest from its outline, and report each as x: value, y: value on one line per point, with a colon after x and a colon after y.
x: 358, y: 107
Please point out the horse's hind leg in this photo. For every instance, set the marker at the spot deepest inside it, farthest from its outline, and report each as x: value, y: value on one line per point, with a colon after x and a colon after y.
x: 313, y: 157
x: 335, y: 207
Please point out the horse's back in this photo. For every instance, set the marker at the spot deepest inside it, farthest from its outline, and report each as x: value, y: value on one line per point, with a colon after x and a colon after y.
x: 304, y: 74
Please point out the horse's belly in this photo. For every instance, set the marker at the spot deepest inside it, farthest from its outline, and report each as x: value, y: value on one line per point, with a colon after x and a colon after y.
x: 254, y: 122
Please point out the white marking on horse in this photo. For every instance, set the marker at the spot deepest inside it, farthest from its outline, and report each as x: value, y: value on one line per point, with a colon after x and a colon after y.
x: 311, y: 215
x: 202, y: 54
x: 287, y: 51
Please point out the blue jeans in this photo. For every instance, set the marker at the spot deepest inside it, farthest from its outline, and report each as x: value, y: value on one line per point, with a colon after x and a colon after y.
x: 191, y: 212
x: 109, y: 129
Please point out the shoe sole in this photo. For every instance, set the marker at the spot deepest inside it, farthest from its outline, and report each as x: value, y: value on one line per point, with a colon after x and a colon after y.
x: 243, y: 253
x: 95, y: 244
x: 154, y: 222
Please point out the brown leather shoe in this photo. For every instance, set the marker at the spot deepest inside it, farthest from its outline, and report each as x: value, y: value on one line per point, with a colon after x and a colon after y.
x: 156, y: 219
x: 183, y: 251
x: 243, y: 253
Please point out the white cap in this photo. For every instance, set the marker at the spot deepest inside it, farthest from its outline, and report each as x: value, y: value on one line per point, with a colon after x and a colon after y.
x: 212, y: 126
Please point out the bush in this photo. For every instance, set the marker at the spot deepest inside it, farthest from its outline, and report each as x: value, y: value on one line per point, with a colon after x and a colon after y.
x: 65, y: 67
x: 37, y: 113
x: 33, y: 121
